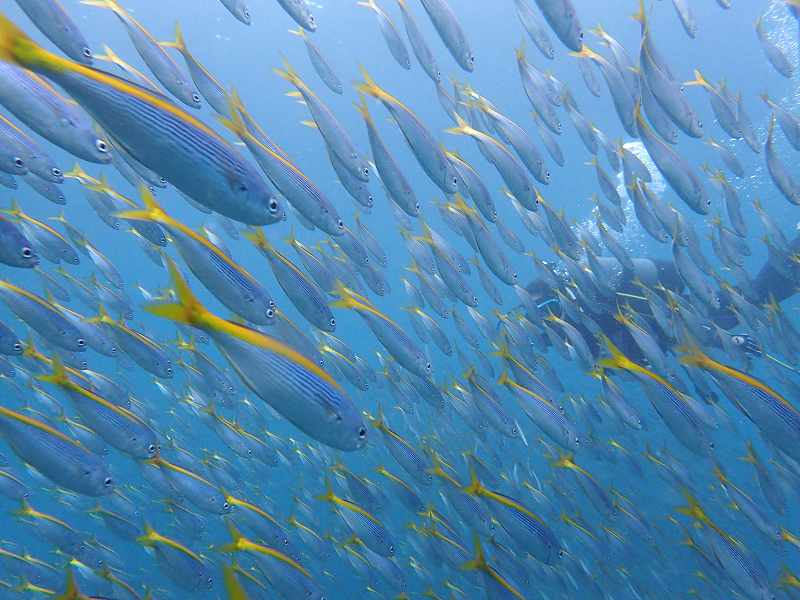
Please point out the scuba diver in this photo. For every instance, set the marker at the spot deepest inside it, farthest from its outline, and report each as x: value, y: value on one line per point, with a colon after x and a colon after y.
x: 775, y: 281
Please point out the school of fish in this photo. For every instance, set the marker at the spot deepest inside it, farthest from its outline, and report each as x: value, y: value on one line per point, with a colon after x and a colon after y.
x: 492, y: 440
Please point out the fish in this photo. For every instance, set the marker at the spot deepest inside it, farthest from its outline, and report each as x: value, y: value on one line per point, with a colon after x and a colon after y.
x: 15, y: 249
x: 510, y: 168
x: 218, y: 174
x: 535, y: 29
x: 157, y: 60
x: 777, y: 169
x: 773, y: 414
x: 774, y: 53
x: 211, y: 89
x: 321, y: 64
x: 447, y: 25
x: 624, y: 98
x: 333, y: 132
x: 392, y: 176
x: 115, y: 424
x: 391, y: 36
x: 55, y: 23
x: 426, y: 150
x: 564, y: 21
x: 675, y: 169
x: 309, y: 299
x: 419, y: 45
x: 50, y: 114
x: 61, y: 459
x: 389, y: 333
x: 182, y: 565
x: 239, y: 9
x: 329, y: 415
x: 301, y: 13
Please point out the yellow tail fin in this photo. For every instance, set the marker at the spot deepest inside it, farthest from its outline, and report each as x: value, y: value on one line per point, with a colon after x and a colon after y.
x: 59, y: 374
x: 328, y: 496
x: 363, y: 108
x: 17, y: 48
x: 233, y: 588
x: 235, y: 123
x: 71, y: 590
x: 152, y: 210
x: 179, y: 43
x: 188, y: 309
x: 478, y: 563
x: 257, y: 237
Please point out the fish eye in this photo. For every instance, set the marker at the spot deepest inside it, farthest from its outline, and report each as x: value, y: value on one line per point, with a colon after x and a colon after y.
x: 151, y: 449
x: 270, y: 313
x: 273, y: 205
x: 577, y: 441
x: 365, y: 171
x: 17, y: 347
x: 27, y: 252
x: 332, y: 322
x: 455, y: 180
x: 196, y: 98
x: 362, y: 433
x: 561, y: 553
x: 339, y: 224
x: 246, y: 13
x: 391, y: 548
x: 226, y: 506
x: 18, y: 162
x: 242, y: 188
x: 101, y: 145
x: 428, y: 366
x: 56, y: 172
x: 416, y: 206
x: 87, y: 52
x: 514, y: 276
x: 210, y: 581
x: 580, y: 35
x: 107, y: 481
x: 169, y: 371
x: 162, y: 180
x: 285, y: 541
x: 81, y: 342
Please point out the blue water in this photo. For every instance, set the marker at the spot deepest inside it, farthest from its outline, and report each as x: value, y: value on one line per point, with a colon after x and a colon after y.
x: 243, y: 57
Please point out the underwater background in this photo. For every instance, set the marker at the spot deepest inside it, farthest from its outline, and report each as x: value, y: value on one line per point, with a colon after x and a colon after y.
x: 619, y: 559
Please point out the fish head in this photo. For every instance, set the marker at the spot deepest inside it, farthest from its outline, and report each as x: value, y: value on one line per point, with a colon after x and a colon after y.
x: 451, y: 179
x: 469, y: 60
x: 98, y: 479
x: 242, y: 12
x: 164, y: 369
x: 92, y: 146
x: 19, y: 251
